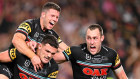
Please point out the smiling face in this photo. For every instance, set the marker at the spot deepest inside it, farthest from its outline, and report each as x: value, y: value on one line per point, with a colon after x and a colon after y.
x: 46, y: 52
x: 94, y: 40
x: 49, y: 18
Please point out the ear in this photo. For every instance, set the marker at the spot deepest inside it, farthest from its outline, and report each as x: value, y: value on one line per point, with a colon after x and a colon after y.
x: 43, y: 14
x: 39, y: 46
x: 102, y: 38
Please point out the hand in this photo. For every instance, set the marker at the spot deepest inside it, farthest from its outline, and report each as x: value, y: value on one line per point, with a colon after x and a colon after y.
x: 36, y: 63
x: 32, y: 45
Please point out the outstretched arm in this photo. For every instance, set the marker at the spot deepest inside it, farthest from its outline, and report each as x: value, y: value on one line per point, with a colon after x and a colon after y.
x: 4, y: 57
x: 62, y: 47
x: 120, y: 74
x: 59, y: 57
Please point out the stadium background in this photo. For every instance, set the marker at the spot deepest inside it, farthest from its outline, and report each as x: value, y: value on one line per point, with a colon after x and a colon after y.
x: 120, y: 20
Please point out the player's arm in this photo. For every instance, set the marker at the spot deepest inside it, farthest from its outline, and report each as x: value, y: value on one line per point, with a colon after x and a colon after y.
x: 19, y: 42
x: 4, y: 57
x: 62, y: 46
x: 120, y: 74
x: 59, y: 57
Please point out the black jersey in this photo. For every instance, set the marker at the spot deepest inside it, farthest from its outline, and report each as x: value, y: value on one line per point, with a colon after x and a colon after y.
x: 88, y: 66
x: 31, y: 28
x: 25, y: 70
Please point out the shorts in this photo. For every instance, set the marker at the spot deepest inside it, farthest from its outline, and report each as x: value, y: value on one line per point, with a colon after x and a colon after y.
x: 6, y: 69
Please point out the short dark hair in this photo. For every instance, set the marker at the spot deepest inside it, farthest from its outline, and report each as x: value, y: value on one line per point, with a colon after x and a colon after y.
x: 51, y: 5
x: 50, y: 39
x: 94, y: 26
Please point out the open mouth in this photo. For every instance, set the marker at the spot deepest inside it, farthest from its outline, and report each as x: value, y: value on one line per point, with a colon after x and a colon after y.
x: 92, y: 47
x: 52, y: 23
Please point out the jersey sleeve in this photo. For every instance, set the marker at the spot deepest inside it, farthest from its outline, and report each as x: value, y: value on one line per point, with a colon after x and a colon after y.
x: 12, y: 52
x: 24, y: 28
x: 116, y: 62
x: 67, y: 53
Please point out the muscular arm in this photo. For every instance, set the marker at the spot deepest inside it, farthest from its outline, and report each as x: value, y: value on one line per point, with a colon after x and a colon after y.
x: 4, y: 57
x: 62, y: 46
x: 19, y: 42
x: 120, y: 73
x: 59, y: 57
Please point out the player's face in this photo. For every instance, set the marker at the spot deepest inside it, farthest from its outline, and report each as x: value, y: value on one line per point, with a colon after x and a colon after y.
x: 94, y: 41
x: 46, y: 53
x: 50, y: 18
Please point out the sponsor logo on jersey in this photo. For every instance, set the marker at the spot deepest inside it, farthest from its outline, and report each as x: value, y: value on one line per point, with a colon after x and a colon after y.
x: 13, y: 53
x: 53, y: 74
x: 68, y: 51
x: 25, y: 26
x: 117, y: 61
x: 95, y: 72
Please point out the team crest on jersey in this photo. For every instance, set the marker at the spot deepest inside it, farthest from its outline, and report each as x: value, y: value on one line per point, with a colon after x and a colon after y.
x: 68, y: 51
x: 53, y: 74
x: 117, y: 61
x: 13, y: 53
x: 25, y: 26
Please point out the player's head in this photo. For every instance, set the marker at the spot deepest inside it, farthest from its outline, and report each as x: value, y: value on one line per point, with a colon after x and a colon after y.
x: 47, y: 48
x: 49, y: 15
x: 94, y: 38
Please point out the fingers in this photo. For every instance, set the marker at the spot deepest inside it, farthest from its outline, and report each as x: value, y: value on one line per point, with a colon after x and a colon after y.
x: 33, y: 48
x: 35, y: 68
x: 32, y: 45
x: 40, y: 66
x: 36, y: 63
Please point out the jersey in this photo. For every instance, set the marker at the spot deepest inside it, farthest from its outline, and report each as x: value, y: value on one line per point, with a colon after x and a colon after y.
x: 25, y: 70
x: 88, y: 66
x: 7, y: 69
x: 31, y: 28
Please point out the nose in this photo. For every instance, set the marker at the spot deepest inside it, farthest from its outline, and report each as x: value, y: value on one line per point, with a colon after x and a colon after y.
x: 92, y: 41
x: 49, y: 55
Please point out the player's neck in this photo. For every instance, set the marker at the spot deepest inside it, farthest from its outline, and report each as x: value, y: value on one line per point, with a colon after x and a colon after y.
x: 41, y: 24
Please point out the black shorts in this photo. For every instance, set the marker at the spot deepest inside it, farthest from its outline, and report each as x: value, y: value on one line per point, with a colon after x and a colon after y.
x: 6, y: 69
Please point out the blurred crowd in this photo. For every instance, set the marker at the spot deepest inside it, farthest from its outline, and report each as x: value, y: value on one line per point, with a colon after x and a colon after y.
x: 120, y: 20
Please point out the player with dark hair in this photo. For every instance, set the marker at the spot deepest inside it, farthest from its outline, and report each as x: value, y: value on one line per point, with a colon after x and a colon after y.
x: 23, y: 68
x: 92, y: 60
x: 36, y: 30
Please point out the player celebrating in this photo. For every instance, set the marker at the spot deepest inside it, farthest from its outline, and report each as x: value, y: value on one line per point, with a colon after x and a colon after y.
x: 92, y: 60
x: 23, y: 68
x: 36, y: 30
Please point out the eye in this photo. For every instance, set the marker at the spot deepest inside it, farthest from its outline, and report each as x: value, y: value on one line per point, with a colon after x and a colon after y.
x: 47, y: 51
x: 88, y: 38
x: 94, y: 38
x: 53, y: 15
x: 53, y: 53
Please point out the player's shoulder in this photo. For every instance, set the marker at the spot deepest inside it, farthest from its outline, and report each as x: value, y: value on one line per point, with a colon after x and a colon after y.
x: 32, y: 20
x: 52, y: 32
x: 108, y: 50
x: 78, y: 47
